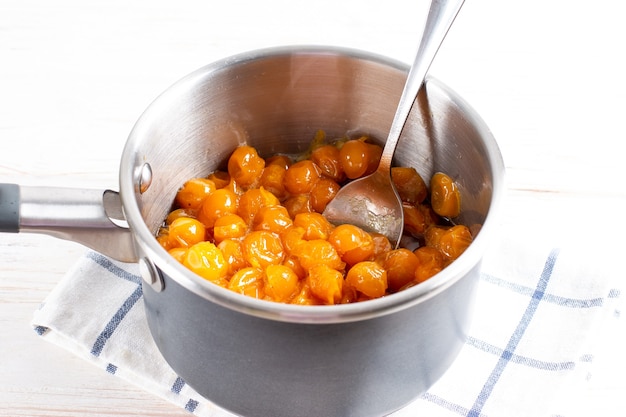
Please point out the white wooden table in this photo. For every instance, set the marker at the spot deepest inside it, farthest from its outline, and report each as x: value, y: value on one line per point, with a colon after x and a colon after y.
x: 547, y: 76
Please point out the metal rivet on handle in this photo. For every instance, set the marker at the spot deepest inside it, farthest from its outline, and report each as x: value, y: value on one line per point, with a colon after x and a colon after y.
x: 151, y: 274
x: 145, y: 178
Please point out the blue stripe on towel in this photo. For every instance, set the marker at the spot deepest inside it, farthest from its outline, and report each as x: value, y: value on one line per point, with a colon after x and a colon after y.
x: 587, y: 357
x: 614, y: 293
x: 549, y: 298
x: 41, y: 330
x: 107, y: 264
x: 119, y: 315
x: 507, y: 353
x: 519, y: 359
x: 191, y: 405
x: 178, y: 385
x: 112, y: 369
x: 115, y: 321
x: 441, y: 402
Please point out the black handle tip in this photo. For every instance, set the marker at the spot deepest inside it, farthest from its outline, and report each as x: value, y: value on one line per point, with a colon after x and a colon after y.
x: 9, y: 208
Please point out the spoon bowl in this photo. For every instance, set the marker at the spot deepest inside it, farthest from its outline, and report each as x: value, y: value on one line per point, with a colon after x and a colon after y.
x: 372, y: 202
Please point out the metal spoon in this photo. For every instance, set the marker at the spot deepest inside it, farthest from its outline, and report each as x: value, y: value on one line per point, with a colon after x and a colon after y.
x: 372, y: 202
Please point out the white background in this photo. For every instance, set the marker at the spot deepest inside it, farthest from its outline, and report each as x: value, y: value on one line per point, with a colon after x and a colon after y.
x: 547, y: 77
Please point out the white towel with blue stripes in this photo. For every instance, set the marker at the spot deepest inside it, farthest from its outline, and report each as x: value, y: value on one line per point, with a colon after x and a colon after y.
x: 539, y: 311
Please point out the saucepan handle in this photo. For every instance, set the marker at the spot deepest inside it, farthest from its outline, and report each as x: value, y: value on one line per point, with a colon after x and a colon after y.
x: 94, y: 218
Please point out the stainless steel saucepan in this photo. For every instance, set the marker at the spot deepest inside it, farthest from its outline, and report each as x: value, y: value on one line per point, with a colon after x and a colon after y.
x: 258, y: 358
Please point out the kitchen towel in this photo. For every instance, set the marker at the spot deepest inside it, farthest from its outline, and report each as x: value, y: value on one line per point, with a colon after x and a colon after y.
x: 539, y: 310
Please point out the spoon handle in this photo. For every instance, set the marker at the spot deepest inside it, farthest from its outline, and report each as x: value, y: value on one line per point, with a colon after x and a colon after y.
x: 440, y: 17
